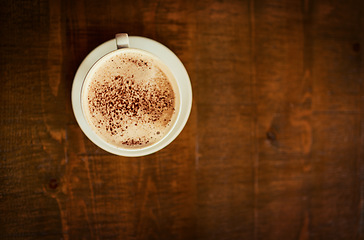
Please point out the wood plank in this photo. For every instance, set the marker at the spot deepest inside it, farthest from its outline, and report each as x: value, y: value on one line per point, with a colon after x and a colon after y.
x: 284, y: 132
x: 225, y: 193
x: 335, y: 190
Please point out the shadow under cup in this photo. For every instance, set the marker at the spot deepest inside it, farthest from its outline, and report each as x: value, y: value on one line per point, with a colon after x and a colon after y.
x: 131, y: 102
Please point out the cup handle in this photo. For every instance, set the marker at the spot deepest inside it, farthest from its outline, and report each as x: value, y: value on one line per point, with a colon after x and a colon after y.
x: 122, y: 40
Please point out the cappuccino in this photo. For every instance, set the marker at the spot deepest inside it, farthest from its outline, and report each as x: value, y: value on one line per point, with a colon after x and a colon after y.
x: 130, y: 99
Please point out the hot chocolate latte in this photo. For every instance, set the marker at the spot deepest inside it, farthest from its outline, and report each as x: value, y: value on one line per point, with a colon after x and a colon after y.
x: 130, y: 99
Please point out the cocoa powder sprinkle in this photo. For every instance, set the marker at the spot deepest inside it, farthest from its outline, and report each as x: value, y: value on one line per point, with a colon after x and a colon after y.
x: 121, y: 100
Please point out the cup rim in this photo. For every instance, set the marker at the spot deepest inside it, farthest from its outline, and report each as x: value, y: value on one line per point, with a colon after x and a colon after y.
x: 90, y: 71
x: 144, y: 45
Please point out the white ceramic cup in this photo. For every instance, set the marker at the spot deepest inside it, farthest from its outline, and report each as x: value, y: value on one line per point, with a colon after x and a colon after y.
x: 176, y: 68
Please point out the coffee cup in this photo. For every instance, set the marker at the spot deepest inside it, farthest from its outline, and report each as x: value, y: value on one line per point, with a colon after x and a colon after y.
x: 133, y: 102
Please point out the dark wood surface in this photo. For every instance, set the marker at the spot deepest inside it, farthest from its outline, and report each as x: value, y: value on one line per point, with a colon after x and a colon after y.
x: 273, y: 149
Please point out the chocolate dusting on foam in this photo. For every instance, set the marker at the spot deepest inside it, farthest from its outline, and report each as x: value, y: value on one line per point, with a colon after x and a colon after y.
x: 123, y: 101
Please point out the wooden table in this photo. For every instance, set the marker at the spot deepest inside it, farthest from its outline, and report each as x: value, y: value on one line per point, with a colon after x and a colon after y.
x: 273, y: 148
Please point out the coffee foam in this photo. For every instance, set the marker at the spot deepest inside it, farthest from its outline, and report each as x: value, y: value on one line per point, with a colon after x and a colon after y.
x: 130, y: 99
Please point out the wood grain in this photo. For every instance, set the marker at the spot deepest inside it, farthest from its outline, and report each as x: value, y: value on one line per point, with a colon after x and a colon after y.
x: 273, y: 148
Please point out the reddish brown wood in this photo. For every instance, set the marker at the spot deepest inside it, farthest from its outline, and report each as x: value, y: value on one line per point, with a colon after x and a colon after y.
x: 273, y: 149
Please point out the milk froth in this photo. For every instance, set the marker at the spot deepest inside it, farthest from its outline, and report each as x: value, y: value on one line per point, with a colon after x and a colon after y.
x: 130, y: 99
